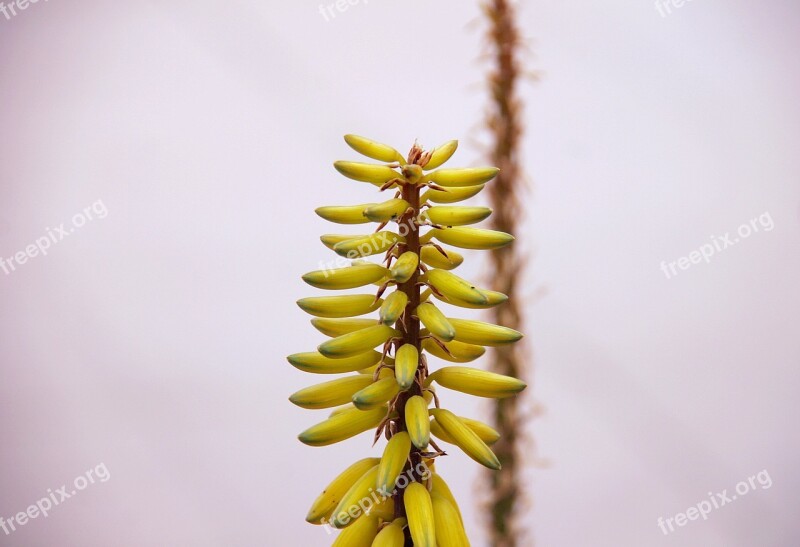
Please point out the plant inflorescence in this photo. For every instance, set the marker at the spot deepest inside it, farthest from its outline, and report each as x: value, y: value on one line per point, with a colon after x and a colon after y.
x: 387, y: 385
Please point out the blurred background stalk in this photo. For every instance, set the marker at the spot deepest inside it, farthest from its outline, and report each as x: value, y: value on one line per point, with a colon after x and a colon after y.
x: 505, y: 193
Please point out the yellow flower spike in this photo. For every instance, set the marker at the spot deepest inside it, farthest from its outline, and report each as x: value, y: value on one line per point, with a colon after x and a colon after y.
x: 407, y: 263
x: 419, y: 512
x: 349, y: 277
x: 405, y: 365
x: 449, y: 528
x: 376, y: 394
x: 332, y: 393
x: 417, y: 422
x: 451, y: 195
x: 456, y: 216
x: 349, y: 305
x: 317, y: 363
x: 373, y: 149
x: 343, y: 425
x: 357, y: 342
x: 391, y: 535
x: 472, y: 238
x: 441, y: 154
x: 433, y: 257
x: 484, y: 334
x: 386, y: 211
x: 435, y: 321
x: 466, y: 439
x: 473, y: 381
x: 327, y: 501
x: 372, y: 244
x: 393, y: 307
x: 338, y: 327
x: 346, y: 214
x: 391, y: 390
x: 392, y: 463
x: 366, y: 172
x: 464, y: 176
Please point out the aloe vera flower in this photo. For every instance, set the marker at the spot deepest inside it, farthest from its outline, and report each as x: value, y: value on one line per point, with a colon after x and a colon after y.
x: 386, y: 385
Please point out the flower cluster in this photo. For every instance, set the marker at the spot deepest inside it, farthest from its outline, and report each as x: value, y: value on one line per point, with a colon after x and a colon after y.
x: 386, y: 383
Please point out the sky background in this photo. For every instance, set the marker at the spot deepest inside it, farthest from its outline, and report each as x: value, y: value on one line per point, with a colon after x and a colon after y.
x: 151, y: 341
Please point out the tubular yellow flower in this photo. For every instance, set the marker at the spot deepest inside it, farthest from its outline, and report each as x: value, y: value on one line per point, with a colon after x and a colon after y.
x: 386, y: 211
x: 451, y: 195
x: 348, y: 214
x: 391, y: 535
x: 375, y: 394
x: 456, y: 216
x: 338, y: 327
x: 367, y: 245
x: 326, y: 502
x: 405, y: 267
x: 438, y: 259
x: 405, y: 365
x: 399, y: 499
x: 465, y: 176
x: 480, y: 383
x: 440, y: 155
x: 350, y: 305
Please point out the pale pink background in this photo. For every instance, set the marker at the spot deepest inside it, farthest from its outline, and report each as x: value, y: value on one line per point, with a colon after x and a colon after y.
x: 154, y: 340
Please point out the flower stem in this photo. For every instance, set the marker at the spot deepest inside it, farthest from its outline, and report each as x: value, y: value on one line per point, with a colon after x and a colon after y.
x: 506, y: 493
x: 409, y: 325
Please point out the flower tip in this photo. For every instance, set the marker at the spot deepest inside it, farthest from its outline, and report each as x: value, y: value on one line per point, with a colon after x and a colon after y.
x: 311, y: 520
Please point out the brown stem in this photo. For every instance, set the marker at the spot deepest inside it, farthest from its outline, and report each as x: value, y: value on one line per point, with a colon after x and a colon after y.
x: 409, y: 323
